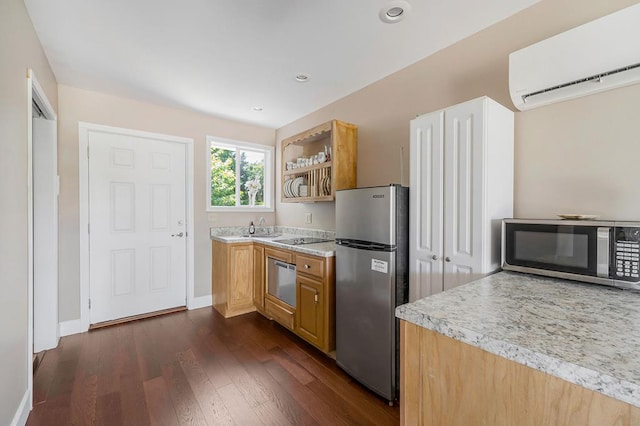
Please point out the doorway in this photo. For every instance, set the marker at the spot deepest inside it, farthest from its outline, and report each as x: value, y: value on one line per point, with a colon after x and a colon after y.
x: 42, y: 229
x: 136, y: 207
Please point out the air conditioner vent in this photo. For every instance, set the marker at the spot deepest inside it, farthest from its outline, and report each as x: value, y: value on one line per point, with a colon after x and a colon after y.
x: 597, y: 56
x: 598, y: 78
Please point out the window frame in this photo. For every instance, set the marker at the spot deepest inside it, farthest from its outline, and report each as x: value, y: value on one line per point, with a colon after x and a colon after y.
x: 269, y: 168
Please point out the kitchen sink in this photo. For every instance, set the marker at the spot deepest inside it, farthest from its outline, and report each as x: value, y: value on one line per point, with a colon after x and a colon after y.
x: 261, y: 235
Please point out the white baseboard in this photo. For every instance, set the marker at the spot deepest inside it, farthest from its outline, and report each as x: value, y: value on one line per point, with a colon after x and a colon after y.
x: 200, y: 302
x: 22, y: 413
x: 71, y: 327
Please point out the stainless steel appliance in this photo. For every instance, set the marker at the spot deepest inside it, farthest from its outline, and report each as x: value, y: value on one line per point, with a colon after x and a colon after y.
x: 371, y: 280
x: 281, y: 281
x: 600, y: 252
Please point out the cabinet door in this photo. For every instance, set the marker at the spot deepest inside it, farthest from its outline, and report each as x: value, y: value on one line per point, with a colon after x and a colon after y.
x: 309, y: 312
x: 258, y: 276
x: 426, y: 203
x: 240, y: 286
x: 463, y: 192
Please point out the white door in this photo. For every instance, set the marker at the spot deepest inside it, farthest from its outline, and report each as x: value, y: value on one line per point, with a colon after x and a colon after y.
x: 137, y: 225
x: 45, y: 234
x: 426, y: 203
x: 463, y: 189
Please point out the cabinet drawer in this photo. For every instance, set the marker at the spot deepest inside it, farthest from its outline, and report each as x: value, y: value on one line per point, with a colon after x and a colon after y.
x: 310, y: 265
x: 279, y: 313
x: 282, y: 255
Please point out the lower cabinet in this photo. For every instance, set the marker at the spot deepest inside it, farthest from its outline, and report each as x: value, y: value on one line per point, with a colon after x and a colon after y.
x: 316, y: 300
x: 447, y: 382
x: 232, y: 278
x: 239, y: 285
x: 281, y: 312
x: 310, y: 310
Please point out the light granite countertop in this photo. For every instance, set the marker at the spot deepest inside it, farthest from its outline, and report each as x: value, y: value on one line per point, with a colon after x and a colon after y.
x: 583, y: 333
x: 234, y: 235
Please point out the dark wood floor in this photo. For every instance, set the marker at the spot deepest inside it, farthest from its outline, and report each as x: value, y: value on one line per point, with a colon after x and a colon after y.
x: 197, y: 368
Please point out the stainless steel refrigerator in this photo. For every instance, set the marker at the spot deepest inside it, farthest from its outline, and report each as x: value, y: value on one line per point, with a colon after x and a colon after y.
x: 372, y: 251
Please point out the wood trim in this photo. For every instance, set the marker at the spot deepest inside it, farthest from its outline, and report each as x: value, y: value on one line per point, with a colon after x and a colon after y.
x: 456, y: 383
x: 410, y: 374
x: 345, y: 156
x: 136, y: 317
x: 311, y: 134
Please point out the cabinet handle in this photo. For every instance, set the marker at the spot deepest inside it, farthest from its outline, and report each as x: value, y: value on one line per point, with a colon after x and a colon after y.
x: 315, y: 297
x: 307, y: 266
x: 434, y: 257
x: 447, y: 259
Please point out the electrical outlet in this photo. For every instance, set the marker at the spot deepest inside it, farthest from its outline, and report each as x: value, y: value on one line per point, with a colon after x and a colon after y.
x: 307, y: 218
x: 211, y: 217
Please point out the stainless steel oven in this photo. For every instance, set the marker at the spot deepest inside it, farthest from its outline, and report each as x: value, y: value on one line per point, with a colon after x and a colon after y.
x: 600, y: 252
x: 281, y: 281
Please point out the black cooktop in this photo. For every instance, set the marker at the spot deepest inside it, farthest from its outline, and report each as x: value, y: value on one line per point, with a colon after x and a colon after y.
x: 302, y: 240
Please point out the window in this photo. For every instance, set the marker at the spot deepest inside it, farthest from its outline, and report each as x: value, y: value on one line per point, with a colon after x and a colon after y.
x: 240, y: 176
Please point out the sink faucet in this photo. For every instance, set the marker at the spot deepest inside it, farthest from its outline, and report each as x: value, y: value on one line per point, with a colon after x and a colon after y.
x: 261, y: 223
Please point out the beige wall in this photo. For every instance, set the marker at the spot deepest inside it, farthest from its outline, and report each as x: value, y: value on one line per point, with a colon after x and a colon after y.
x: 81, y: 105
x: 19, y: 50
x: 594, y: 139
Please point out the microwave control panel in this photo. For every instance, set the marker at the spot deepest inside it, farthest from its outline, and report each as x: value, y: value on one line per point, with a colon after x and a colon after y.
x: 627, y: 254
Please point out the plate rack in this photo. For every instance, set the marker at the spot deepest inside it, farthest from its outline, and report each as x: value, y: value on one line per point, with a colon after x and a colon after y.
x: 304, y: 165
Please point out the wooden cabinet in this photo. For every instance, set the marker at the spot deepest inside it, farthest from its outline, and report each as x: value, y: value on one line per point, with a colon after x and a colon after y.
x: 232, y: 278
x: 275, y: 308
x: 461, y: 188
x: 259, y: 281
x: 239, y: 285
x: 310, y: 310
x: 315, y: 299
x: 324, y: 178
x: 446, y: 382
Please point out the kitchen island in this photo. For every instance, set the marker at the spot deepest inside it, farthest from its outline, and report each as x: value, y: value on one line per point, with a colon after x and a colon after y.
x: 520, y: 349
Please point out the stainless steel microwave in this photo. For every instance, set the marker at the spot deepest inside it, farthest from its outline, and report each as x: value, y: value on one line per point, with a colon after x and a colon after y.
x: 599, y: 252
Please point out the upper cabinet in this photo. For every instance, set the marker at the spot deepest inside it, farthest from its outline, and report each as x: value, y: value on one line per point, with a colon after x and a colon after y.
x: 318, y: 162
x: 461, y: 189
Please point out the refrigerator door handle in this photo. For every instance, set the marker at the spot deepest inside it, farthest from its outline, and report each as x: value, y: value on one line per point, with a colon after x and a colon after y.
x: 365, y: 246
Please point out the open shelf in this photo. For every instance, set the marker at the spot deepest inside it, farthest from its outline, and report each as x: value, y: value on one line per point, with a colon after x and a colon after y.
x: 336, y: 139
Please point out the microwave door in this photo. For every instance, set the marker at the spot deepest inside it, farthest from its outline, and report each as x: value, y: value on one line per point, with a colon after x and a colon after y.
x: 565, y: 249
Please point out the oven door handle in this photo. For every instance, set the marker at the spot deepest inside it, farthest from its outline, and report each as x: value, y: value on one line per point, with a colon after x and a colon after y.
x: 603, y: 248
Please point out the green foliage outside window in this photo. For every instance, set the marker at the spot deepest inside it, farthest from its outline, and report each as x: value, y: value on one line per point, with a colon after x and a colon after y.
x: 223, y: 176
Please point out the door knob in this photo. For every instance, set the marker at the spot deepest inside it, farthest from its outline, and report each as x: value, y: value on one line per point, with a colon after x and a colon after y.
x: 177, y: 235
x: 434, y: 257
x: 447, y: 259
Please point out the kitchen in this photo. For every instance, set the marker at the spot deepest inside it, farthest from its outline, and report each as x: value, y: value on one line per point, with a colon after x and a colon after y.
x: 560, y: 163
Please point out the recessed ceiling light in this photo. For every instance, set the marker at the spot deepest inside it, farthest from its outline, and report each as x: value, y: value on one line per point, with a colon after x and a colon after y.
x: 257, y: 108
x: 394, y: 11
x: 302, y: 78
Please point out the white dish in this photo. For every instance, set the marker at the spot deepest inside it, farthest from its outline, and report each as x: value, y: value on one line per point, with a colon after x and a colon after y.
x: 292, y: 193
x: 287, y: 185
x: 573, y: 216
x: 297, y: 182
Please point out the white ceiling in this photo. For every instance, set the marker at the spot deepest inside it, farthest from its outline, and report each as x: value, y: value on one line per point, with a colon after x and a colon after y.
x: 224, y: 57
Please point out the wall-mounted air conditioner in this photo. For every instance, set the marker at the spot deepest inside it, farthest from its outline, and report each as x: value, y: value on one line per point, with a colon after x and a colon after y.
x: 600, y: 55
